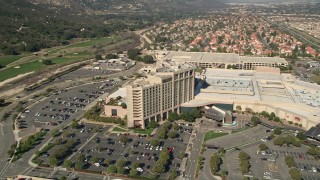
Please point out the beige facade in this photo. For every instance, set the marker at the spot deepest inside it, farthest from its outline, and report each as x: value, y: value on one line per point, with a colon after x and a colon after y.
x: 152, y: 98
x: 115, y: 111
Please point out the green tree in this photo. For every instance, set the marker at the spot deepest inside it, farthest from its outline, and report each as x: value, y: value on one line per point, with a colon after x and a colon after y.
x: 112, y: 169
x: 255, y: 120
x: 63, y: 178
x: 135, y: 165
x: 47, y: 62
x: 148, y: 59
x: 98, y: 57
x: 215, y: 162
x: 243, y: 156
x: 172, y: 134
x: 176, y: 126
x: 277, y: 131
x: 120, y: 170
x: 154, y: 142
x: 94, y: 159
x: 124, y: 105
x: 133, y: 53
x: 295, y: 174
x: 2, y: 102
x: 55, y: 133
x: 273, y: 115
x: 290, y: 161
x: 173, y: 116
x: 67, y: 163
x: 133, y: 172
x: 238, y: 108
x: 276, y: 119
x: 162, y: 133
x: 279, y: 141
x: 244, y: 166
x: 107, y: 162
x: 74, y: 124
x: 120, y: 162
x: 314, y: 152
x: 124, y: 139
x: 81, y: 157
x: 301, y: 136
x: 152, y: 124
x: 53, y: 161
x: 263, y: 147
x: 112, y: 56
x: 173, y: 175
x: 80, y: 165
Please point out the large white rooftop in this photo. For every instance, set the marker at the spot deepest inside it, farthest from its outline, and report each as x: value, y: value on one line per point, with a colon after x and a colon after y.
x: 278, y: 90
x: 180, y: 56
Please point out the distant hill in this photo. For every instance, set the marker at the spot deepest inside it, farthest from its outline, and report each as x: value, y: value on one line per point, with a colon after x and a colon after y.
x: 30, y: 25
x: 118, y: 6
x: 271, y: 1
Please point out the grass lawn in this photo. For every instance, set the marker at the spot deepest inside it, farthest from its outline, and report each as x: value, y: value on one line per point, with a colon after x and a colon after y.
x: 60, y: 60
x: 82, y: 53
x: 147, y: 131
x: 88, y: 43
x: 92, y: 42
x: 33, y: 66
x: 119, y: 129
x: 211, y: 135
x: 5, y: 60
x: 24, y: 68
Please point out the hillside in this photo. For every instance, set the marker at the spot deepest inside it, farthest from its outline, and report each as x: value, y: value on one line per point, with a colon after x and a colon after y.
x: 121, y: 6
x: 27, y: 27
x: 30, y: 25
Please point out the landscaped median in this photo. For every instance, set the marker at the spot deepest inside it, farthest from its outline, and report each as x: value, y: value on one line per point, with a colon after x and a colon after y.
x: 25, y: 145
x: 212, y: 135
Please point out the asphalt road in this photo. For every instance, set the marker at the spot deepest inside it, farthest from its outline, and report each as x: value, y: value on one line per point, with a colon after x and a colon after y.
x: 240, y: 138
x: 190, y: 170
x: 6, y: 139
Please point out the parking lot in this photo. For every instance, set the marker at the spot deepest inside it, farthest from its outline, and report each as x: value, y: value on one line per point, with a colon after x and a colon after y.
x: 74, y: 135
x: 63, y: 105
x: 270, y: 163
x: 136, y: 150
x: 84, y: 73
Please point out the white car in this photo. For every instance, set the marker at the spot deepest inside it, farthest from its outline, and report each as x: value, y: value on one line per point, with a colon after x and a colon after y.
x: 139, y: 169
x: 264, y: 140
x: 267, y: 173
x: 97, y: 164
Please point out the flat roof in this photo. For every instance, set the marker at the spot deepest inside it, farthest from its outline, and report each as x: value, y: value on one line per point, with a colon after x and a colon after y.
x: 180, y: 56
x: 275, y: 89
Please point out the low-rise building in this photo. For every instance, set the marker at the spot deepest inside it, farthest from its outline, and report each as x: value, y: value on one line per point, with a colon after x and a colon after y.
x: 220, y: 60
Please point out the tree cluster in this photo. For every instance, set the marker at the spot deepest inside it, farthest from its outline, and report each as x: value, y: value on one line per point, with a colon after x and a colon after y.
x: 215, y: 162
x: 189, y: 116
x: 272, y: 116
x: 162, y: 163
x: 244, y: 162
x: 163, y: 130
x: 263, y: 147
x: 288, y: 140
x: 315, y: 152
x: 255, y: 120
x: 290, y: 162
x: 29, y: 143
